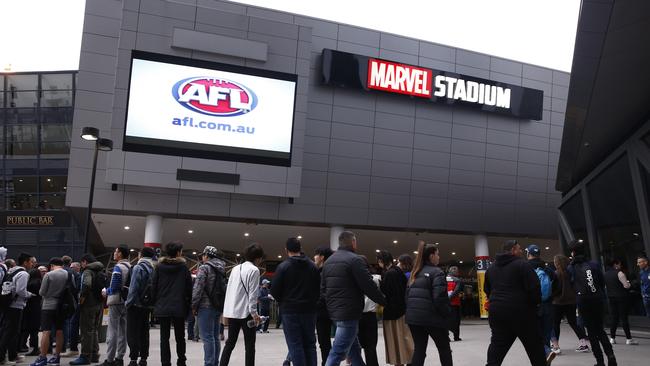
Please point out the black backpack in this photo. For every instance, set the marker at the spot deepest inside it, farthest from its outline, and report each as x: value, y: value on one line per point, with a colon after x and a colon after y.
x: 124, y: 292
x: 217, y: 294
x: 584, y: 281
x: 146, y: 298
x: 100, y: 282
x: 8, y: 292
x: 68, y: 300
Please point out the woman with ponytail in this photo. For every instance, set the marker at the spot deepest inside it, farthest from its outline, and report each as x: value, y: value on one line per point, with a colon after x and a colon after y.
x: 427, y: 306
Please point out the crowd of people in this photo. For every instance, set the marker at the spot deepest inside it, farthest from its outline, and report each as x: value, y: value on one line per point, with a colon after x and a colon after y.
x: 337, y: 290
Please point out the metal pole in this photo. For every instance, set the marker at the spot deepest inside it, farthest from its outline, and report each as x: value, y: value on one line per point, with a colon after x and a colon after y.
x: 90, y: 199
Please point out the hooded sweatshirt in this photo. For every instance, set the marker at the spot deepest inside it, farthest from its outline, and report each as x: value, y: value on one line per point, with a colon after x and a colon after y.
x: 296, y: 285
x: 87, y: 277
x: 3, y: 267
x: 119, y: 279
x: 20, y: 281
x: 172, y: 288
x: 511, y: 284
x: 205, y: 279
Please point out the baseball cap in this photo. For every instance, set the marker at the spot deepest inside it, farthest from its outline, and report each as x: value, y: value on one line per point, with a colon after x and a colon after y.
x: 533, y: 250
x: 210, y: 251
x: 265, y: 282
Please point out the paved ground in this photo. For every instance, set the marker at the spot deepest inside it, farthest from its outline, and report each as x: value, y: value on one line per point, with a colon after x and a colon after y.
x: 271, y: 349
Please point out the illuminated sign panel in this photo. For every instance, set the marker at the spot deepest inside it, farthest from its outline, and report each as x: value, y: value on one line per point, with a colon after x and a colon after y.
x: 348, y: 70
x: 186, y: 107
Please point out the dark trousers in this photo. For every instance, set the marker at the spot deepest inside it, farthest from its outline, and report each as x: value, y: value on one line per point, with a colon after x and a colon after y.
x: 592, y: 315
x: 73, y: 336
x: 324, y: 333
x: 299, y: 332
x: 568, y: 312
x: 508, y: 325
x: 9, y: 329
x: 440, y: 337
x: 264, y: 327
x: 137, y: 332
x: 179, y: 335
x: 32, y: 335
x: 368, y: 337
x: 454, y: 321
x: 234, y: 325
x: 90, y: 319
x: 618, y: 309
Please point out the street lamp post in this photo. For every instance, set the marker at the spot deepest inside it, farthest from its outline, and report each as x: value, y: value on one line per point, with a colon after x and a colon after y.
x: 92, y: 134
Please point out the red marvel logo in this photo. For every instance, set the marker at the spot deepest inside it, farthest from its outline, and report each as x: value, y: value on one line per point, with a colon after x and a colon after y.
x: 399, y: 78
x: 214, y: 96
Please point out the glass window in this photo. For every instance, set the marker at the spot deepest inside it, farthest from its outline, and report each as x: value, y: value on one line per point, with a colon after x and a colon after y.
x: 22, y: 82
x: 21, y: 115
x: 574, y: 212
x: 21, y: 167
x: 59, y: 132
x: 22, y: 140
x: 21, y: 184
x: 22, y: 202
x: 53, y: 184
x: 55, y: 148
x: 55, y: 201
x: 23, y: 99
x: 56, y: 81
x: 55, y: 236
x: 614, y: 210
x: 56, y: 98
x: 56, y: 115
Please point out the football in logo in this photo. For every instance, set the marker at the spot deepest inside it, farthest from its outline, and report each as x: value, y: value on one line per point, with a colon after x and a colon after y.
x: 214, y: 96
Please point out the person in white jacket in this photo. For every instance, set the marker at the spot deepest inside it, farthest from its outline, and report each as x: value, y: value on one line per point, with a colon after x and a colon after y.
x: 240, y: 305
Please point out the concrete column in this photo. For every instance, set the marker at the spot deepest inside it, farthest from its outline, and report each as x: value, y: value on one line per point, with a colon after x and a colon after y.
x: 153, y: 231
x: 481, y: 248
x: 335, y: 231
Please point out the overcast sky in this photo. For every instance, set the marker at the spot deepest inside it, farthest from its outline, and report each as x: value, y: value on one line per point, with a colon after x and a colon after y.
x: 46, y: 34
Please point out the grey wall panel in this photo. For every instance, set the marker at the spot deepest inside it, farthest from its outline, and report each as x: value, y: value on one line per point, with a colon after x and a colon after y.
x: 360, y: 158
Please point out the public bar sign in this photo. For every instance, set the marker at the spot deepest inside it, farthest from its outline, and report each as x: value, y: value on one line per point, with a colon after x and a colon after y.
x: 361, y: 72
x: 24, y: 220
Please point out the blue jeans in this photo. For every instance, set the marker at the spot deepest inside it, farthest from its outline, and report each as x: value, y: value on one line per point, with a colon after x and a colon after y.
x: 345, y: 344
x: 300, y: 334
x: 208, y: 319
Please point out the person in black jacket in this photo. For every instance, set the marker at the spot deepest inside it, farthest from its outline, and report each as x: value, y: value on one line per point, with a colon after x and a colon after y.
x: 427, y: 306
x: 397, y: 336
x: 295, y: 288
x: 172, y: 293
x: 514, y: 293
x: 323, y: 321
x: 545, y: 309
x: 618, y: 290
x: 589, y: 284
x: 345, y: 280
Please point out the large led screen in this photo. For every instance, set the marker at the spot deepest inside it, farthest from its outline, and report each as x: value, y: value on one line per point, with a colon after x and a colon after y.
x: 184, y: 107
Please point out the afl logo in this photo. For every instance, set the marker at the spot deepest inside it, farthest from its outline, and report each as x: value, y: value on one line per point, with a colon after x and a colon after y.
x: 214, y: 96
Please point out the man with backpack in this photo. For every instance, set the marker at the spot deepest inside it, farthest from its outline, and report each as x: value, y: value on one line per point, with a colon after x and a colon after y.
x: 12, y: 302
x: 138, y: 307
x: 208, y: 295
x: 546, y: 279
x: 589, y: 283
x: 93, y: 281
x: 117, y: 293
x: 52, y: 290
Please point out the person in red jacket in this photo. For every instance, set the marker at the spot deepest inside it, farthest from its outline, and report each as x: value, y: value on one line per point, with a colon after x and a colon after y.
x: 454, y: 289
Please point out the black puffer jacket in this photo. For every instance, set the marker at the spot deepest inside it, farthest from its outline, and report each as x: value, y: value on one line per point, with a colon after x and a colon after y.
x: 393, y: 285
x: 511, y: 284
x: 172, y: 288
x: 427, y: 303
x: 345, y: 280
x: 321, y: 306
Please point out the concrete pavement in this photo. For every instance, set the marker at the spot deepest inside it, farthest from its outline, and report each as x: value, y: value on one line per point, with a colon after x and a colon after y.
x: 271, y: 349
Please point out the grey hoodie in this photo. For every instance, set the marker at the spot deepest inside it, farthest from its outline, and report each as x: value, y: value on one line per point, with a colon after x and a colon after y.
x: 205, y: 278
x: 87, y: 283
x: 3, y: 267
x: 20, y: 288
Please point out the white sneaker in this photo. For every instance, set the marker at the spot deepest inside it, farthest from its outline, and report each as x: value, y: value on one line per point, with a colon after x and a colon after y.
x: 556, y: 350
x: 70, y: 354
x: 612, y: 340
x: 631, y: 342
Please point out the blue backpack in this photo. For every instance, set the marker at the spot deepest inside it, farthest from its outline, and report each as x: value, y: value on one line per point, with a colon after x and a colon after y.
x: 545, y: 283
